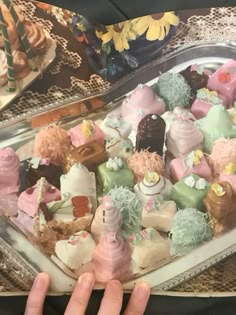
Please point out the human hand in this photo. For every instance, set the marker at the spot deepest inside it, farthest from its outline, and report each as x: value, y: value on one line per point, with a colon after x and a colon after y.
x: 112, y: 299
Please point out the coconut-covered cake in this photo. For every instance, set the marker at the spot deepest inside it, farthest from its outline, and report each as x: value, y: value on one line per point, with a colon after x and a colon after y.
x: 139, y: 188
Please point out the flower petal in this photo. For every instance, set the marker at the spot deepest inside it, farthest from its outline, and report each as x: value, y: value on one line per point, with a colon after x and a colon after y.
x: 171, y: 18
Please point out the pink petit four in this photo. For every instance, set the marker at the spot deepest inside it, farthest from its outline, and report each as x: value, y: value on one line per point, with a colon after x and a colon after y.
x: 141, y: 102
x: 183, y: 137
x: 107, y: 219
x: 177, y: 114
x: 111, y: 259
x: 203, y: 102
x: 86, y: 132
x: 9, y: 171
x: 194, y: 163
x: 30, y: 199
x: 224, y: 81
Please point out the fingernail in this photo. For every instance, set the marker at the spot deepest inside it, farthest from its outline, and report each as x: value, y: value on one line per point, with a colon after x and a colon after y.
x: 41, y: 281
x: 141, y: 290
x: 86, y: 281
x: 114, y: 283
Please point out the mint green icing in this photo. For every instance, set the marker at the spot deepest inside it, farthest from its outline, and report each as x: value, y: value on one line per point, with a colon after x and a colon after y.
x: 130, y: 207
x: 189, y: 229
x: 215, y: 125
x: 189, y: 197
x: 112, y: 121
x: 174, y: 90
x: 212, y: 99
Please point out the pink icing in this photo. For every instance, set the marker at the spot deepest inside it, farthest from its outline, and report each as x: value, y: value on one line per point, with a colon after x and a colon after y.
x: 9, y: 171
x: 111, y: 258
x: 223, y: 152
x: 228, y: 88
x: 183, y: 137
x: 141, y: 162
x: 52, y: 142
x: 107, y: 219
x: 141, y: 102
x: 28, y: 200
x: 178, y: 170
x: 77, y: 137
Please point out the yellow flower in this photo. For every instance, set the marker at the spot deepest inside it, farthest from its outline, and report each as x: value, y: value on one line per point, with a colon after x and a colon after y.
x: 156, y: 27
x: 218, y: 189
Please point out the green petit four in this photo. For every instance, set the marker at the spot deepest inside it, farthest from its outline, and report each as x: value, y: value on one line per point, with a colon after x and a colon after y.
x: 189, y: 192
x: 114, y: 173
x: 215, y: 125
x: 190, y: 228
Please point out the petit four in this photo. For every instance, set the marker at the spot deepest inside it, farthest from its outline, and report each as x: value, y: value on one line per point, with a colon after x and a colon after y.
x: 220, y: 203
x: 90, y: 155
x: 183, y: 137
x: 111, y: 258
x: 75, y: 251
x: 86, y: 132
x: 174, y: 90
x: 149, y: 248
x: 79, y: 182
x: 130, y: 206
x: 38, y: 168
x: 223, y: 153
x: 114, y: 126
x: 190, y: 228
x: 189, y: 192
x: 214, y: 125
x: 9, y: 171
x: 152, y: 185
x: 229, y: 175
x: 114, y: 173
x: 141, y: 102
x: 107, y: 219
x: 224, y: 81
x: 178, y: 113
x: 52, y: 142
x: 203, y: 102
x: 196, y: 76
x: 194, y: 163
x: 142, y: 162
x: 151, y: 134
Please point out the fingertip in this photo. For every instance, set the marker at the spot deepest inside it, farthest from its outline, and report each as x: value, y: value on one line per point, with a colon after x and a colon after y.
x: 86, y: 280
x: 41, y: 281
x: 114, y: 284
x: 142, y: 289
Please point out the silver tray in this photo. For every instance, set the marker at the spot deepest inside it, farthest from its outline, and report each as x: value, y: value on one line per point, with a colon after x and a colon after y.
x: 162, y: 277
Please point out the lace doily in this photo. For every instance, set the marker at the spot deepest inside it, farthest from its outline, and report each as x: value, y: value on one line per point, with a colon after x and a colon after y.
x: 218, y: 25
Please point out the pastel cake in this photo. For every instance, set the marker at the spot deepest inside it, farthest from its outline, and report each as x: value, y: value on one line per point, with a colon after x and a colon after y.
x: 189, y: 192
x: 149, y: 248
x: 216, y: 124
x: 203, y: 102
x: 224, y: 81
x: 86, y: 132
x: 194, y: 163
x: 9, y: 172
x: 114, y: 173
x: 183, y: 137
x: 141, y: 102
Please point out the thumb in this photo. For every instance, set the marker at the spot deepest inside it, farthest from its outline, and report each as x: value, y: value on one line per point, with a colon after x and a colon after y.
x: 35, y: 301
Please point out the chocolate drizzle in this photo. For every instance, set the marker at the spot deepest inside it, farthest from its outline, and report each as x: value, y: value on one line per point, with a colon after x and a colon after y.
x: 151, y: 134
x: 195, y: 80
x: 47, y: 214
x: 51, y: 172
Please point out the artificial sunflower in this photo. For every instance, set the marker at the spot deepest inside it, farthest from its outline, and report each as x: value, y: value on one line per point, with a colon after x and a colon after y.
x: 120, y: 34
x: 156, y: 26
